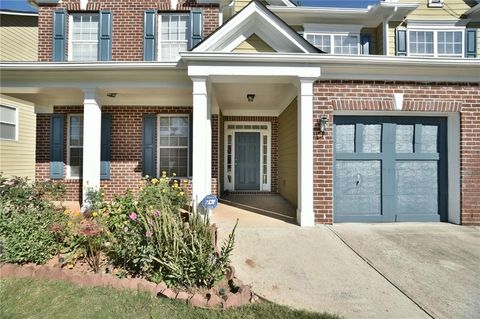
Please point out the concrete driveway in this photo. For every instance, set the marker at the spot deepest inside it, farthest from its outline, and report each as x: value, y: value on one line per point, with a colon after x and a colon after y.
x: 358, y: 270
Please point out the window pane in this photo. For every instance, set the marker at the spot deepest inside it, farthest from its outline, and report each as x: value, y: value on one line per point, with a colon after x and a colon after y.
x: 420, y: 42
x: 174, y: 141
x: 345, y: 138
x: 404, y: 139
x: 8, y: 114
x: 7, y: 131
x: 372, y: 138
x: 174, y: 160
x: 76, y: 131
x: 173, y: 36
x: 449, y: 43
x: 85, y: 37
x: 76, y: 162
x: 346, y: 44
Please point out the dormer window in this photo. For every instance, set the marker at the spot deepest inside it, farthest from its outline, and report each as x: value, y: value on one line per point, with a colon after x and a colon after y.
x: 84, y: 37
x: 335, y: 43
x: 436, y: 43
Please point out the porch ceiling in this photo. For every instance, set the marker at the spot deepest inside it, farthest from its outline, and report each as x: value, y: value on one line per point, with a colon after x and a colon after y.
x: 270, y: 98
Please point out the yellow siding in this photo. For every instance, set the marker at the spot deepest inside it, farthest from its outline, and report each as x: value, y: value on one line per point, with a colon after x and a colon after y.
x: 452, y: 9
x: 373, y: 36
x: 379, y: 35
x: 17, y: 158
x: 18, y: 38
x: 240, y: 4
x: 287, y: 153
x: 253, y: 44
x: 392, y: 37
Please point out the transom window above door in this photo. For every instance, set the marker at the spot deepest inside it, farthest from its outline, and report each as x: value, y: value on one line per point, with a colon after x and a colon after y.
x: 84, y: 37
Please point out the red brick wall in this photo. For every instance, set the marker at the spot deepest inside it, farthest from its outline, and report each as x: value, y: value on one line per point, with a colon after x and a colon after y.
x: 127, y: 29
x: 126, y: 143
x: 274, y: 147
x: 378, y: 96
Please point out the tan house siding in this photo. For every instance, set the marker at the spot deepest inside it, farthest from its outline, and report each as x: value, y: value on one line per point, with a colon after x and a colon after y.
x: 240, y: 4
x: 18, y: 38
x: 287, y: 153
x: 17, y: 158
x: 392, y: 26
x: 452, y: 9
x: 253, y: 44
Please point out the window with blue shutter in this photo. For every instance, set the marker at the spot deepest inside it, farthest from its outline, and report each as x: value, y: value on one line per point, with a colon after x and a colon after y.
x: 149, y: 125
x: 105, y: 146
x: 196, y: 28
x: 105, y: 36
x: 149, y: 35
x: 59, y: 31
x: 401, y: 42
x: 471, y: 43
x: 366, y: 43
x: 56, y: 146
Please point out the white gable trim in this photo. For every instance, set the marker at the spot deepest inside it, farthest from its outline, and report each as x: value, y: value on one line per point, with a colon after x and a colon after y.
x: 255, y: 18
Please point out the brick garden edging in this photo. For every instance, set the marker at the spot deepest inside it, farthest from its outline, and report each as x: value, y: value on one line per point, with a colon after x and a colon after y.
x: 206, y: 300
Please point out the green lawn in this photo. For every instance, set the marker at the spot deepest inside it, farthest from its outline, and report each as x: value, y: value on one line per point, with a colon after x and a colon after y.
x: 31, y: 298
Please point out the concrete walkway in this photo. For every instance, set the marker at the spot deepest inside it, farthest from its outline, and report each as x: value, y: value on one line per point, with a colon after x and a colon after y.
x: 312, y: 268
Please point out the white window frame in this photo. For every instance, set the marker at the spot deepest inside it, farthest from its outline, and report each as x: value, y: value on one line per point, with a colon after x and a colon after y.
x: 159, y: 147
x: 159, y: 34
x: 435, y: 31
x: 69, y: 175
x: 332, y: 40
x: 70, y: 35
x: 16, y: 123
x: 230, y: 186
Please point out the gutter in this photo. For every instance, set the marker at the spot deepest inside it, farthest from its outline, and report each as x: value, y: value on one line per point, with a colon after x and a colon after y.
x: 95, y: 66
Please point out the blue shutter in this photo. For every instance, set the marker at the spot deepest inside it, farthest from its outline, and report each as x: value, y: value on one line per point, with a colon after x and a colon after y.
x: 471, y: 43
x: 401, y: 42
x: 149, y: 35
x: 105, y: 150
x: 105, y: 36
x: 149, y: 144
x: 365, y: 41
x: 56, y: 146
x: 196, y: 28
x: 59, y: 31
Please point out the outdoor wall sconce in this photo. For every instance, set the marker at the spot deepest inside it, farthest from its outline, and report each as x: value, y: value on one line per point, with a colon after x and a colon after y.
x: 112, y: 94
x: 250, y: 97
x: 323, y: 124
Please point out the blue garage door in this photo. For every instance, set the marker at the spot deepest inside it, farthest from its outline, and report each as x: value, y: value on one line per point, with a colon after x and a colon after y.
x: 390, y: 169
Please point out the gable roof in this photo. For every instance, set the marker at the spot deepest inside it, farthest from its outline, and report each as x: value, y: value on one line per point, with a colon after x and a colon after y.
x: 255, y: 18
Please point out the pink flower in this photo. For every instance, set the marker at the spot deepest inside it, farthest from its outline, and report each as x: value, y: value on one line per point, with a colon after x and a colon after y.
x: 148, y: 234
x: 157, y: 213
x: 133, y: 216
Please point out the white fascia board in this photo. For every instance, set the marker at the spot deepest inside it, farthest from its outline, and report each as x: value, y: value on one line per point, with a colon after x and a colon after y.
x: 69, y: 66
x: 19, y: 13
x: 342, y: 67
x: 437, y: 24
x: 311, y: 72
x: 331, y: 28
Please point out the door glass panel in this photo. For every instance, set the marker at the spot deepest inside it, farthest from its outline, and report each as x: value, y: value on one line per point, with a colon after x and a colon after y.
x: 416, y: 187
x: 404, y: 139
x: 345, y: 138
x: 429, y: 138
x: 372, y: 135
x: 357, y: 187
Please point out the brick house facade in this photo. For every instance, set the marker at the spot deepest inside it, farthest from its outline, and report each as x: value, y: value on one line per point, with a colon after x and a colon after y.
x: 239, y: 76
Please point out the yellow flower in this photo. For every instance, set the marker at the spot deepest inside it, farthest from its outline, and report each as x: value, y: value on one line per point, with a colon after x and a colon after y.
x: 126, y: 222
x: 164, y: 174
x: 94, y: 214
x: 69, y: 224
x: 154, y: 181
x: 173, y: 174
x: 164, y: 190
x: 181, y: 194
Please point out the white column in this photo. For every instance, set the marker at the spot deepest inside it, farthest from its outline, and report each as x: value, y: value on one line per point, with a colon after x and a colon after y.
x: 92, y: 122
x: 305, y: 214
x: 202, y: 139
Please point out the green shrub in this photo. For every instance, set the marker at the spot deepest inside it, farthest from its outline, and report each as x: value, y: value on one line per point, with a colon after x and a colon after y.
x: 26, y: 216
x: 27, y: 237
x: 149, y: 237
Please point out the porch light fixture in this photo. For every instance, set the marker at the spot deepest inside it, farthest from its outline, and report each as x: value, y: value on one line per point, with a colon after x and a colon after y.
x: 112, y: 94
x: 323, y: 124
x: 250, y: 97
